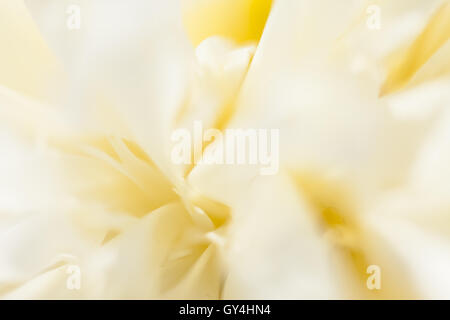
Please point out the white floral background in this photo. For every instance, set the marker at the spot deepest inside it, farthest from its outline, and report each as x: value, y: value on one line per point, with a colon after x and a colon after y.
x: 86, y: 178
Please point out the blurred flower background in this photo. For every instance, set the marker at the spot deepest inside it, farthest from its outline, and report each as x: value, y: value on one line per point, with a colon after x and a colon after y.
x: 92, y: 207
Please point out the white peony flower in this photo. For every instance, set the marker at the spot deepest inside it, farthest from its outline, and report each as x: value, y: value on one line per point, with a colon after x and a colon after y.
x: 93, y: 207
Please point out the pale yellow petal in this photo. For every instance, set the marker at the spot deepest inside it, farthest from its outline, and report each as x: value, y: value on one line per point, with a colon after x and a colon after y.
x: 26, y: 63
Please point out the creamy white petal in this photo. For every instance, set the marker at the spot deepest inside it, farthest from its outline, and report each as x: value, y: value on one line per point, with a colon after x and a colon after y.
x: 141, y: 71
